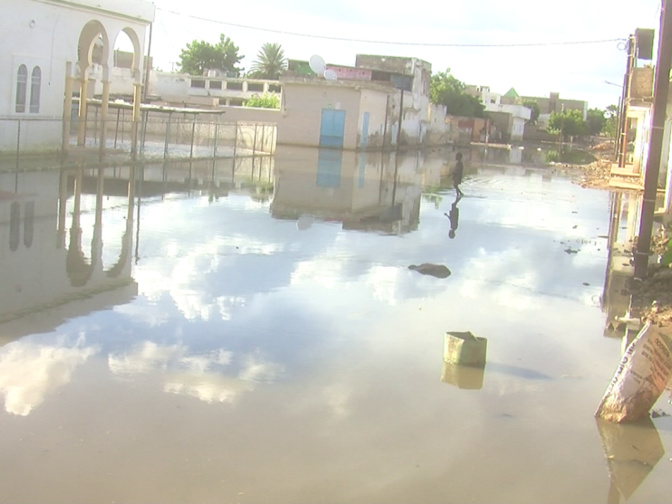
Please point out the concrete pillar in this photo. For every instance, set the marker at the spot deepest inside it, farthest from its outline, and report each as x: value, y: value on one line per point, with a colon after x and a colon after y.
x: 103, y: 113
x: 137, y: 97
x: 666, y: 165
x: 62, y: 205
x: 83, y: 92
x: 67, y: 107
x: 245, y: 86
x: 265, y: 87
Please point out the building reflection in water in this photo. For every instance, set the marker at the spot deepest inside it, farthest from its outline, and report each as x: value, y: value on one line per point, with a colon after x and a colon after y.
x: 59, y: 234
x: 621, y: 322
x: 66, y: 239
x: 52, y: 246
x: 363, y: 191
x: 631, y: 451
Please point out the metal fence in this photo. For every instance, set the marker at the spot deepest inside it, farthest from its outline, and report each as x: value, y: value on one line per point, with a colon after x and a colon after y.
x: 160, y: 133
x: 174, y: 133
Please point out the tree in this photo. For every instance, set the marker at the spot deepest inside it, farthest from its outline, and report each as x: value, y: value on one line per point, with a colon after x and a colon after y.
x: 198, y: 57
x: 445, y: 89
x: 567, y: 123
x: 264, y: 101
x: 534, y: 107
x: 270, y: 62
x: 611, y: 121
x: 595, y: 121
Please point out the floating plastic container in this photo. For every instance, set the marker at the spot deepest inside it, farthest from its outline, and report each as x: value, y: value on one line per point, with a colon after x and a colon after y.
x: 465, y: 349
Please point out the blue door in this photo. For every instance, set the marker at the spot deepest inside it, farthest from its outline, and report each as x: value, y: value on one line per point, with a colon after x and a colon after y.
x: 329, y: 163
x: 365, y: 130
x: 332, y: 128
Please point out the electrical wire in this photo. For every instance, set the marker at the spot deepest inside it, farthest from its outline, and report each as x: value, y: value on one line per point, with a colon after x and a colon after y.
x: 386, y: 42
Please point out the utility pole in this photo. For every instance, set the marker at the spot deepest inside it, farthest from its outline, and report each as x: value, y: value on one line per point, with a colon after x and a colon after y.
x: 660, y: 92
x: 622, y: 144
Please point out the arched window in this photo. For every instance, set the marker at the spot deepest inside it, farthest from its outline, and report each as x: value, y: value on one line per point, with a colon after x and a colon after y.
x: 35, y: 85
x: 21, y: 83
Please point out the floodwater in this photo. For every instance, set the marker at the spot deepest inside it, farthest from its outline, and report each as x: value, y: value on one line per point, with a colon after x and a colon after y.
x: 253, y: 334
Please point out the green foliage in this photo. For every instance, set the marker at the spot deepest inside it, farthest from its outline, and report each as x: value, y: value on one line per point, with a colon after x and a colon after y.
x: 200, y: 56
x: 270, y: 62
x: 431, y: 195
x: 611, y: 121
x: 567, y: 123
x: 569, y: 156
x: 264, y: 101
x: 446, y: 90
x: 595, y: 121
x: 666, y: 258
x: 534, y: 107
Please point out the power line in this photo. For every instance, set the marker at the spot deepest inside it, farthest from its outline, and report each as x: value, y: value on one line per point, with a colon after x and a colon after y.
x: 387, y: 42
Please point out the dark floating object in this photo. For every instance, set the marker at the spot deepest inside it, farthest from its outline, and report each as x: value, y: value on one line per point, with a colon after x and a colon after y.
x: 435, y: 270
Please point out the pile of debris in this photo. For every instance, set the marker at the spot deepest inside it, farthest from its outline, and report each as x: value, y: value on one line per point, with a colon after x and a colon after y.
x: 596, y: 174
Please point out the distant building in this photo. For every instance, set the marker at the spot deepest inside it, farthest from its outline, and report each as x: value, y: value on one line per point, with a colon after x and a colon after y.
x: 556, y: 104
x: 507, y: 115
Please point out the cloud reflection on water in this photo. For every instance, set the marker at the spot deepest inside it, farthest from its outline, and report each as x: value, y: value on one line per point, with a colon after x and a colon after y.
x: 214, y: 376
x: 29, y: 372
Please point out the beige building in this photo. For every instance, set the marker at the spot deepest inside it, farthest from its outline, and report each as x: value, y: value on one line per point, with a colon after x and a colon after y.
x: 556, y: 104
x: 338, y: 114
x: 381, y: 103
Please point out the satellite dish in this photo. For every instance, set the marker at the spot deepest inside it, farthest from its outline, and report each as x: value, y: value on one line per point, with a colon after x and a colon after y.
x: 330, y: 75
x: 317, y: 64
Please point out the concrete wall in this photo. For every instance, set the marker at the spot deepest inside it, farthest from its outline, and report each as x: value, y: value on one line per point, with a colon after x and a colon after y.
x: 376, y: 103
x: 439, y: 128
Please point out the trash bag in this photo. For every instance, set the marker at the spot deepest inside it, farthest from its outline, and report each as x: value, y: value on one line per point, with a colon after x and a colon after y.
x: 640, y: 378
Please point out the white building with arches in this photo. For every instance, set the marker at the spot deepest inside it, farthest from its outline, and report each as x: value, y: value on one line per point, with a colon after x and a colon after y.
x: 48, y: 49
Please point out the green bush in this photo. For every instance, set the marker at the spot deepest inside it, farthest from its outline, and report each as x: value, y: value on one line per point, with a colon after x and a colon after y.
x: 264, y: 101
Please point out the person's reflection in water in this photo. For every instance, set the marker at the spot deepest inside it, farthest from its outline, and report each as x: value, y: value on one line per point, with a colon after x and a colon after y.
x: 454, y: 217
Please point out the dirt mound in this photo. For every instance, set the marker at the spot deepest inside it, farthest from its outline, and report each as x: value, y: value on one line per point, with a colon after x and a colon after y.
x: 603, y: 146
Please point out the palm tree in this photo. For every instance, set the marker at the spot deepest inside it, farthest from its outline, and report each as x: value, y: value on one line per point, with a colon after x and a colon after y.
x: 270, y: 62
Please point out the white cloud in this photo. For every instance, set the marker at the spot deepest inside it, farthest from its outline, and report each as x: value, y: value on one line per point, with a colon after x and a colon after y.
x: 29, y: 372
x: 207, y: 387
x: 323, y: 270
x: 197, y: 375
x: 146, y: 358
x: 384, y: 281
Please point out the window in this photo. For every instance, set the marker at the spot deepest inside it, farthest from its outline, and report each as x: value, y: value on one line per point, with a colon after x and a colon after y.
x: 21, y: 83
x: 35, y: 85
x: 215, y: 84
x: 198, y: 83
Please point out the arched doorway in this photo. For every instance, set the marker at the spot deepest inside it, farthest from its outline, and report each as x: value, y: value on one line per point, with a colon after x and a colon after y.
x: 93, y: 46
x: 96, y: 45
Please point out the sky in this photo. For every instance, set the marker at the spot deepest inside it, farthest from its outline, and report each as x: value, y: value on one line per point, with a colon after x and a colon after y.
x: 338, y: 31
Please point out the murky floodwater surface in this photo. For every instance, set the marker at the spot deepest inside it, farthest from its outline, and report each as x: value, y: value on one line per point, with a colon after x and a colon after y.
x: 253, y: 334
